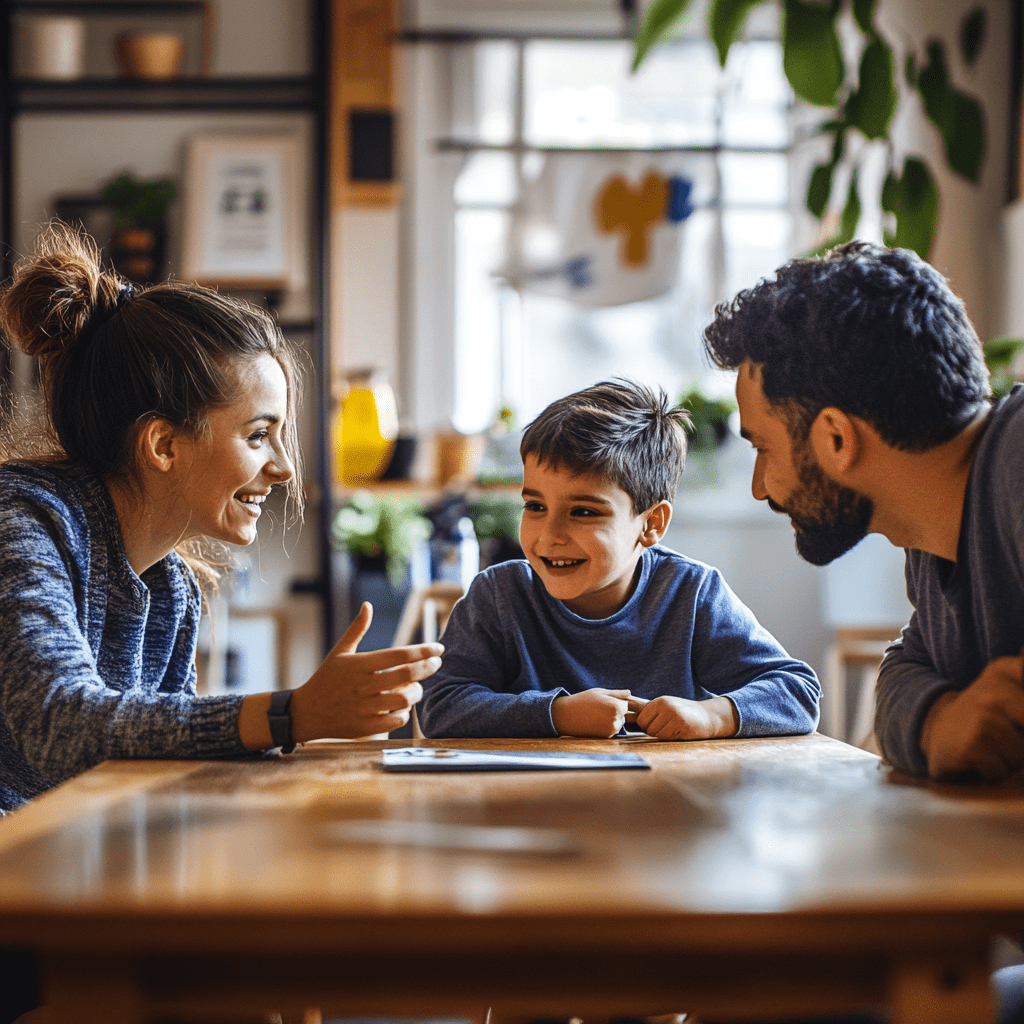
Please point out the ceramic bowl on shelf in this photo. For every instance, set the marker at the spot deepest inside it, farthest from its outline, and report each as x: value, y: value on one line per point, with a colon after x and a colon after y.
x: 149, y: 54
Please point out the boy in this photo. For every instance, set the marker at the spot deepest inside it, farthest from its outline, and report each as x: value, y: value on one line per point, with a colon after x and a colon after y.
x: 600, y: 624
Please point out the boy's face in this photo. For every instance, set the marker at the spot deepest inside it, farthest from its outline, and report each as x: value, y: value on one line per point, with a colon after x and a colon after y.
x: 583, y: 539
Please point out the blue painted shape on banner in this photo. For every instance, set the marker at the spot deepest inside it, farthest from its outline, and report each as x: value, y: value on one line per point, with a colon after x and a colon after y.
x: 578, y: 271
x: 679, y: 205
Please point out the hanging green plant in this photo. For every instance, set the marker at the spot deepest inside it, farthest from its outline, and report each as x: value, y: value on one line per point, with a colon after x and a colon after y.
x: 863, y: 98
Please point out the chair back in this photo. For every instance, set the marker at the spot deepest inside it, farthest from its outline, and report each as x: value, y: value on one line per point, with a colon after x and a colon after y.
x: 426, y: 609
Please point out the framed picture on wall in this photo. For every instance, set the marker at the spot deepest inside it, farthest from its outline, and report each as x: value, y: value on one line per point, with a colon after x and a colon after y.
x: 244, y: 212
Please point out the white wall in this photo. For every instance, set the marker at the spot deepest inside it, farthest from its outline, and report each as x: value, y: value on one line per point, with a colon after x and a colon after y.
x: 967, y: 248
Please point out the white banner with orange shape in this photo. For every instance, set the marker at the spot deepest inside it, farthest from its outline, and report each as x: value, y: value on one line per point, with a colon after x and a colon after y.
x: 601, y: 229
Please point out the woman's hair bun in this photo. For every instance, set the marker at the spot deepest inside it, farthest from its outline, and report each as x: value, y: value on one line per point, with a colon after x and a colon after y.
x: 55, y: 293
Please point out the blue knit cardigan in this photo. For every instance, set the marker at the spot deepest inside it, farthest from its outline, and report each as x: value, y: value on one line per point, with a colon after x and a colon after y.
x: 95, y: 661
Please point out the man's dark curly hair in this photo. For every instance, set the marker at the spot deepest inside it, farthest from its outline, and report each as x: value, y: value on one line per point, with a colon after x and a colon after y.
x: 875, y: 332
x: 626, y: 432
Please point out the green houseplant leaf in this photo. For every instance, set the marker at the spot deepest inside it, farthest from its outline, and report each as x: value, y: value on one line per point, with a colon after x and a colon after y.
x: 972, y: 35
x: 958, y: 117
x: 914, y: 200
x: 847, y: 222
x: 725, y: 22
x: 819, y: 189
x: 864, y: 14
x: 811, y: 55
x: 965, y: 135
x: 872, y: 106
x: 658, y: 20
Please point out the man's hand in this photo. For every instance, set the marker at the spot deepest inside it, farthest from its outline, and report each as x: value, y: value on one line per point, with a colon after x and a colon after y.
x: 676, y: 718
x: 598, y: 713
x: 979, y: 730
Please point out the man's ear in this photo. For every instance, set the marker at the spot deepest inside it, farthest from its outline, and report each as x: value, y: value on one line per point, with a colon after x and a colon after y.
x: 157, y: 445
x: 656, y: 523
x: 835, y: 441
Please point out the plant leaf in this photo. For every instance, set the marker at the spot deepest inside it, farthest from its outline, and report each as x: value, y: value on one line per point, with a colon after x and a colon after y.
x: 725, y: 22
x: 864, y: 14
x: 819, y: 189
x: 910, y: 70
x: 658, y: 19
x: 958, y: 117
x: 965, y: 135
x: 812, y: 58
x: 848, y: 221
x: 933, y: 84
x: 851, y: 211
x: 914, y: 200
x: 972, y: 34
x: 872, y: 106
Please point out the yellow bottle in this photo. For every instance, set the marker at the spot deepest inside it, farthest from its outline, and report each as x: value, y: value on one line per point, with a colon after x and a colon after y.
x: 368, y: 428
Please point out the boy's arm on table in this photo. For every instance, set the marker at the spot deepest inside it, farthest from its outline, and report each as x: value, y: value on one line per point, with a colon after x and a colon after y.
x: 466, y: 697
x: 733, y: 657
x: 926, y: 726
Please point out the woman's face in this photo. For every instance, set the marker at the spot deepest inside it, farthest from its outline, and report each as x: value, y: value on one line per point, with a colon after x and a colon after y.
x: 230, y: 469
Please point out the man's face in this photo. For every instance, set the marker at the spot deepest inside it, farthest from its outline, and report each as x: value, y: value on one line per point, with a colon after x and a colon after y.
x: 828, y: 518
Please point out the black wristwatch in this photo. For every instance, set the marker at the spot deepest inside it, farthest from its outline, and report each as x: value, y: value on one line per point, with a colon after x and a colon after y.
x: 280, y: 717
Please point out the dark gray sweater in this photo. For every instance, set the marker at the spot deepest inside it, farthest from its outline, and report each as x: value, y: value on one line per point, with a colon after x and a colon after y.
x: 966, y: 613
x: 95, y: 662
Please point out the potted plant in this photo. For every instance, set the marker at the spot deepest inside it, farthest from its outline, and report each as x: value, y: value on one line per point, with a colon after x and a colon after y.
x: 1004, y: 358
x: 709, y: 419
x: 382, y: 533
x: 860, y: 88
x: 140, y: 213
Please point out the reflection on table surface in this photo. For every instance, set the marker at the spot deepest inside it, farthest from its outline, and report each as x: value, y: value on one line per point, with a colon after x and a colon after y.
x: 741, y: 876
x: 727, y: 826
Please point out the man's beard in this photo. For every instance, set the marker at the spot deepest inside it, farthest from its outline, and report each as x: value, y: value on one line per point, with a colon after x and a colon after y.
x: 828, y: 518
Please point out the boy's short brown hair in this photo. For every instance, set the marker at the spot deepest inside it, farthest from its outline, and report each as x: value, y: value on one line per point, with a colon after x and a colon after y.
x: 626, y: 432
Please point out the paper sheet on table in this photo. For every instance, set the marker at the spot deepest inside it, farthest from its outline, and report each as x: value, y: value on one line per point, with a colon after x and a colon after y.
x: 443, y: 759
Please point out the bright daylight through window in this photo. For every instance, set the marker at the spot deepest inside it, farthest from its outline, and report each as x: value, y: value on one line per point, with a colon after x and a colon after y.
x: 549, y: 119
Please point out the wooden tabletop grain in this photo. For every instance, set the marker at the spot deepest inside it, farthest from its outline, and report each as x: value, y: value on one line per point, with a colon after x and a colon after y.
x: 758, y: 852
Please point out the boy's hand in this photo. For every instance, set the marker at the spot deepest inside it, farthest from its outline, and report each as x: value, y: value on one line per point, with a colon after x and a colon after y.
x: 597, y: 713
x: 675, y: 718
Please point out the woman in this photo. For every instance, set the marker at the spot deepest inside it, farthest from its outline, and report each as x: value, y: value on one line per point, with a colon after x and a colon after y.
x: 170, y: 416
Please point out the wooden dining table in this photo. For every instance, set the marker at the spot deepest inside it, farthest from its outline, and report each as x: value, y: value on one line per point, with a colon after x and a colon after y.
x: 732, y: 878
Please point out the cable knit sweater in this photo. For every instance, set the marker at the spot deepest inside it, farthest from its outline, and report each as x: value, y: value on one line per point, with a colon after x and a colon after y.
x: 95, y: 661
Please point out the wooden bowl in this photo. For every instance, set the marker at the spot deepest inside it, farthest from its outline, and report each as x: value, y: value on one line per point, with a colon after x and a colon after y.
x: 149, y: 55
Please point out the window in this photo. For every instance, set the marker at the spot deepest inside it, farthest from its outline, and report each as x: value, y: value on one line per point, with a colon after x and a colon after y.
x: 521, y: 110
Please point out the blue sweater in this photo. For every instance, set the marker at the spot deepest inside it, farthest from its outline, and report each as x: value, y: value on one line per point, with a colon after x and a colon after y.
x: 511, y: 649
x: 95, y: 662
x: 968, y: 612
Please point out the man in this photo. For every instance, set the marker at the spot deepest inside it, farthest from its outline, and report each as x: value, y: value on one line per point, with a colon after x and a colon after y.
x: 862, y: 386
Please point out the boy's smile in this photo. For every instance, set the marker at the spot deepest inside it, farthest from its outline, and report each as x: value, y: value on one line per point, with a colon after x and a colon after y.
x: 583, y: 539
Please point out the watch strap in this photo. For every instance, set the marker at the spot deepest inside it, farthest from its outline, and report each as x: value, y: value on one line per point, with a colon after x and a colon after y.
x: 279, y: 716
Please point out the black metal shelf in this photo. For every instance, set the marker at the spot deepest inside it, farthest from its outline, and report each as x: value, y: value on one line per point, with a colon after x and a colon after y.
x: 256, y: 95
x: 108, y: 7
x: 179, y: 94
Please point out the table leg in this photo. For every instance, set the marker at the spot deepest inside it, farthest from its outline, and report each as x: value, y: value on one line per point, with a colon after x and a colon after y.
x: 937, y: 989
